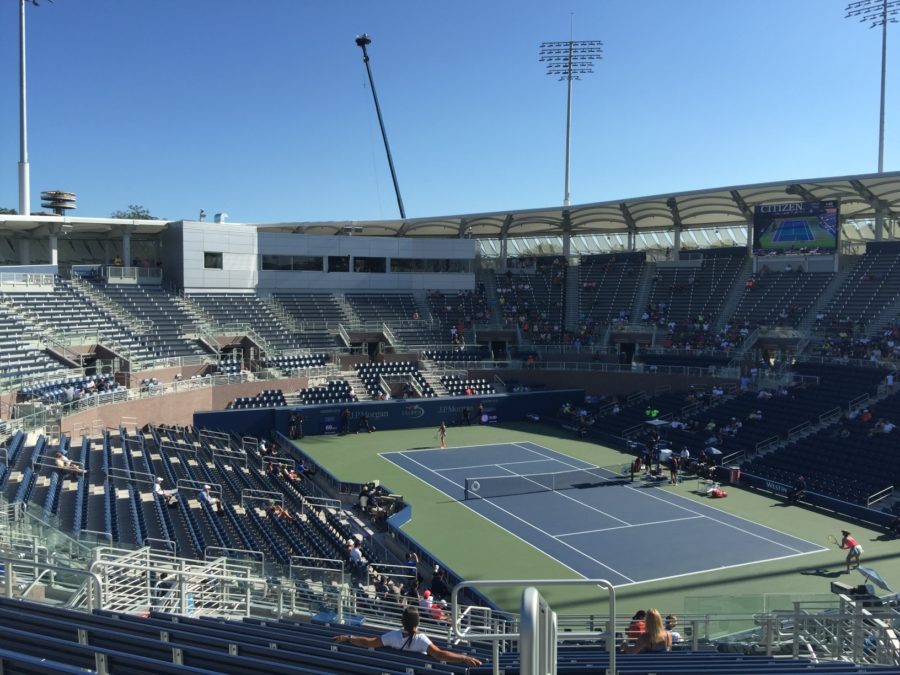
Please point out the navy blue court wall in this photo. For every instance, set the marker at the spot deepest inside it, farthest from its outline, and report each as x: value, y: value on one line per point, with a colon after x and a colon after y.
x: 409, y: 413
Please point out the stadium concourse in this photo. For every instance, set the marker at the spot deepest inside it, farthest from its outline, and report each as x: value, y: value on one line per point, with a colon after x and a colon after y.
x: 222, y: 442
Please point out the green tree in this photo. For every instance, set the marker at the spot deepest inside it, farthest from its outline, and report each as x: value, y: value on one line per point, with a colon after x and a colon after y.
x: 134, y: 212
x: 7, y: 212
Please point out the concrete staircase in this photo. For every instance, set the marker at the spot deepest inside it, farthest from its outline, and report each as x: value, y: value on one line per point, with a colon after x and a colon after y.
x: 642, y: 295
x: 572, y: 318
x: 809, y: 319
x: 734, y: 296
x: 432, y: 376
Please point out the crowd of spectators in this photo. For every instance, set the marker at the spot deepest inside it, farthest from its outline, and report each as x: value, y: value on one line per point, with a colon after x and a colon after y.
x: 520, y: 307
x: 877, y: 348
x: 461, y: 310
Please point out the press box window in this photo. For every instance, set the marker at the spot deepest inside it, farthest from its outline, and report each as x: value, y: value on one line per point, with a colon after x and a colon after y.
x: 339, y: 263
x: 212, y: 261
x: 368, y: 264
x: 276, y: 263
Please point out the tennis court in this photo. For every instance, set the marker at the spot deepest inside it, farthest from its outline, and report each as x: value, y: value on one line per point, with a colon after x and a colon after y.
x: 599, y: 524
x: 793, y: 230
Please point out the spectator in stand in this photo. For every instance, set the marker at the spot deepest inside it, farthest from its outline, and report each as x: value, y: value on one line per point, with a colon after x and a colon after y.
x: 637, y: 626
x: 278, y: 511
x: 440, y: 584
x: 356, y: 557
x: 655, y: 638
x: 207, y: 496
x: 409, y: 639
x: 168, y: 496
x: 671, y: 622
x: 65, y: 464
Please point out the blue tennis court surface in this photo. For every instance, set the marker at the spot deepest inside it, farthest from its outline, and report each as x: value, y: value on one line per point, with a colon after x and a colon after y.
x: 624, y: 532
x: 793, y: 230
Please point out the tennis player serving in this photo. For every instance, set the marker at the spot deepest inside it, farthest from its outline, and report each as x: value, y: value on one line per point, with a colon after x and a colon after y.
x: 854, y: 550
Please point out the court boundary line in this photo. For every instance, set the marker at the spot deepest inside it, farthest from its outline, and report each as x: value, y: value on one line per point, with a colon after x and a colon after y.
x: 739, y: 529
x: 563, y: 494
x: 479, y: 466
x: 747, y: 520
x: 532, y: 525
x: 623, y: 527
x: 451, y: 447
x: 819, y: 549
x: 725, y: 567
x: 470, y: 509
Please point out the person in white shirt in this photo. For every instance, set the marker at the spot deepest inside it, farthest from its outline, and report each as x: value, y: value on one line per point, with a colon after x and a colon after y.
x: 409, y: 640
x: 671, y: 622
x: 356, y: 556
x: 167, y: 496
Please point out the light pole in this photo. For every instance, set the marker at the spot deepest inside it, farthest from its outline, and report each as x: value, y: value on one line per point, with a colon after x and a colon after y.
x: 569, y: 61
x: 24, y: 172
x: 362, y: 41
x: 878, y: 13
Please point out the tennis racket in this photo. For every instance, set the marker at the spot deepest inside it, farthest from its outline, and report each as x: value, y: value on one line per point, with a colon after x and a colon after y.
x: 832, y: 540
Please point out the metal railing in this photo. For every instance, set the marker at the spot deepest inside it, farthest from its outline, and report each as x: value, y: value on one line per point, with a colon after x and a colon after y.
x: 530, y: 651
x: 345, y: 336
x: 137, y: 275
x: 25, y: 281
x: 135, y: 582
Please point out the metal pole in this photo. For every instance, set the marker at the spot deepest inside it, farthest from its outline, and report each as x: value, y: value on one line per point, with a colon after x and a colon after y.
x: 877, y: 13
x: 24, y: 173
x: 568, y: 61
x: 362, y: 41
x: 884, y: 24
x: 568, y: 126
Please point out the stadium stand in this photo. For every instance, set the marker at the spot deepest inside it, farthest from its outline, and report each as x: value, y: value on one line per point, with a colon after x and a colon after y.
x: 533, y: 300
x: 399, y: 379
x: 155, y: 305
x: 333, y: 391
x: 266, y: 399
x: 689, y: 293
x: 248, y: 309
x: 872, y: 286
x: 609, y: 285
x: 779, y: 298
x: 66, y: 310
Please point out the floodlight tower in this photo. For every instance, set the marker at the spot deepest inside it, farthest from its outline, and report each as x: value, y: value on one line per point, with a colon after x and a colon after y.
x: 569, y: 61
x: 877, y: 13
x: 362, y: 41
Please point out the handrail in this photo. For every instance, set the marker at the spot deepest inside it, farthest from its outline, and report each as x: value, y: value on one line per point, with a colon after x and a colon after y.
x: 345, y: 336
x: 26, y: 279
x: 878, y: 496
x: 389, y: 334
x: 495, y: 638
x: 95, y: 583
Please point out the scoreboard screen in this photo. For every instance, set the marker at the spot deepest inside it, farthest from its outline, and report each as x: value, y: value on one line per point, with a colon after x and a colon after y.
x: 806, y: 228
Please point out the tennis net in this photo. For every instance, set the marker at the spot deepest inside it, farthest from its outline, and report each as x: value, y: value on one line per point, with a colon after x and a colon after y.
x: 504, y: 486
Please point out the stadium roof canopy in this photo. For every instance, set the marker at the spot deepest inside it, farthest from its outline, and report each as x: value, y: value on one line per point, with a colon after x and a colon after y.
x: 860, y: 196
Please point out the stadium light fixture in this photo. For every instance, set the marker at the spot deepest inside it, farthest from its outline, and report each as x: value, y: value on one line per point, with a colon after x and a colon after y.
x: 877, y: 13
x: 568, y: 61
x: 362, y: 41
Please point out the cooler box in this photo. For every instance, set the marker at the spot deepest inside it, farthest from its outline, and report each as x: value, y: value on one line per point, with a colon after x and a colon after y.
x: 734, y: 474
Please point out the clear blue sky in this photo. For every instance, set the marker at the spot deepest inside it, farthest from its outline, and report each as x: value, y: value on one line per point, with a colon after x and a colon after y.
x: 263, y: 110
